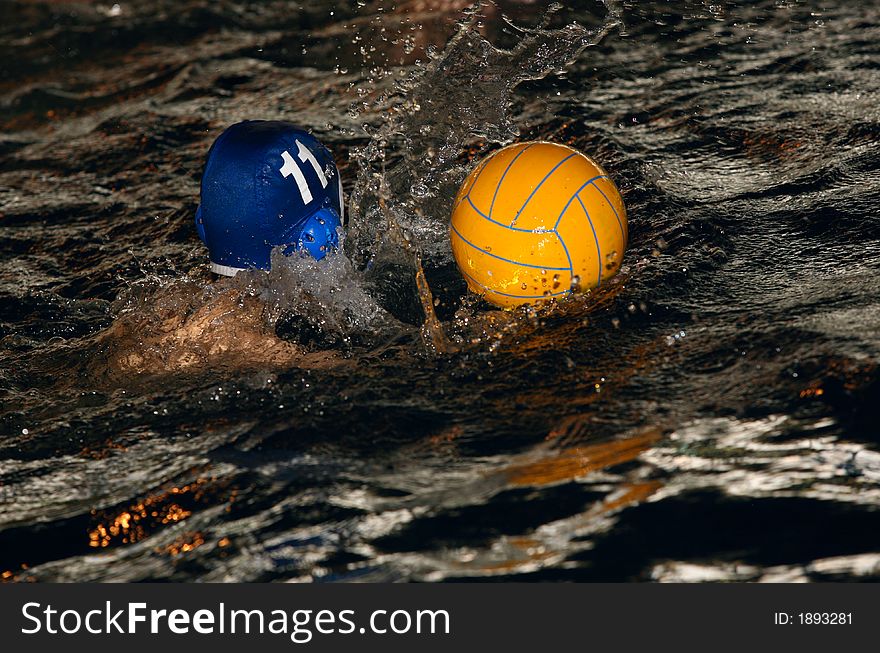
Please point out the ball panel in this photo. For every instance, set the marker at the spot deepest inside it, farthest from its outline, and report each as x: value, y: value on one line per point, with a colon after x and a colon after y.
x: 516, y: 283
x: 508, y: 276
x: 545, y: 202
x: 510, y: 300
x: 605, y: 220
x: 481, y: 184
x: 526, y: 176
x: 470, y: 180
x: 523, y: 276
x: 584, y: 247
x: 611, y: 196
x: 539, y: 250
x: 544, y: 198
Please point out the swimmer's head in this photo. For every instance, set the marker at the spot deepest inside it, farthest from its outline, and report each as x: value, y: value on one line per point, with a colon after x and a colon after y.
x: 267, y: 184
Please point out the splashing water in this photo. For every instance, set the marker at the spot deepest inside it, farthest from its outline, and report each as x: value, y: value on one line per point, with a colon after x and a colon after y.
x: 459, y: 102
x: 408, y: 172
x: 329, y: 294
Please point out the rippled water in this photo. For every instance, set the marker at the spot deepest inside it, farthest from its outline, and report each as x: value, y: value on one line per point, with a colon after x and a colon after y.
x: 710, y: 414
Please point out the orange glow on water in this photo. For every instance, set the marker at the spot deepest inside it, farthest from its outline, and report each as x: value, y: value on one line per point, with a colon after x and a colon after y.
x: 185, y: 544
x: 138, y: 520
x: 578, y: 461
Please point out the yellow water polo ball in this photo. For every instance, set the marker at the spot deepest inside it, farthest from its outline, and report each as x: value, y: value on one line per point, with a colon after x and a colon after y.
x: 535, y: 221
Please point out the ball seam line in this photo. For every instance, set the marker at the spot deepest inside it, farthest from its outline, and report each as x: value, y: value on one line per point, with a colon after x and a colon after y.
x: 537, y: 188
x: 505, y: 294
x: 571, y: 199
x: 501, y: 224
x: 567, y: 255
x: 507, y: 260
x: 480, y: 169
x: 503, y: 175
x: 622, y: 230
x: 595, y: 237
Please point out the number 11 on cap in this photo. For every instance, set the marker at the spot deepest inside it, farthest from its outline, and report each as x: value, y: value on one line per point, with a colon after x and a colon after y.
x: 290, y: 167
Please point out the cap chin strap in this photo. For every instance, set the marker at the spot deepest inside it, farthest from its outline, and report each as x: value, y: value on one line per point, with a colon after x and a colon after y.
x: 225, y: 270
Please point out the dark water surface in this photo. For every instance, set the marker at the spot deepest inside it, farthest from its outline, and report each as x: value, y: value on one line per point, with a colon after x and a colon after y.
x: 710, y: 414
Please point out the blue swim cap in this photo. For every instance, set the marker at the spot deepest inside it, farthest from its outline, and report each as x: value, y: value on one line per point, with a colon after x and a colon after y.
x: 267, y: 184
